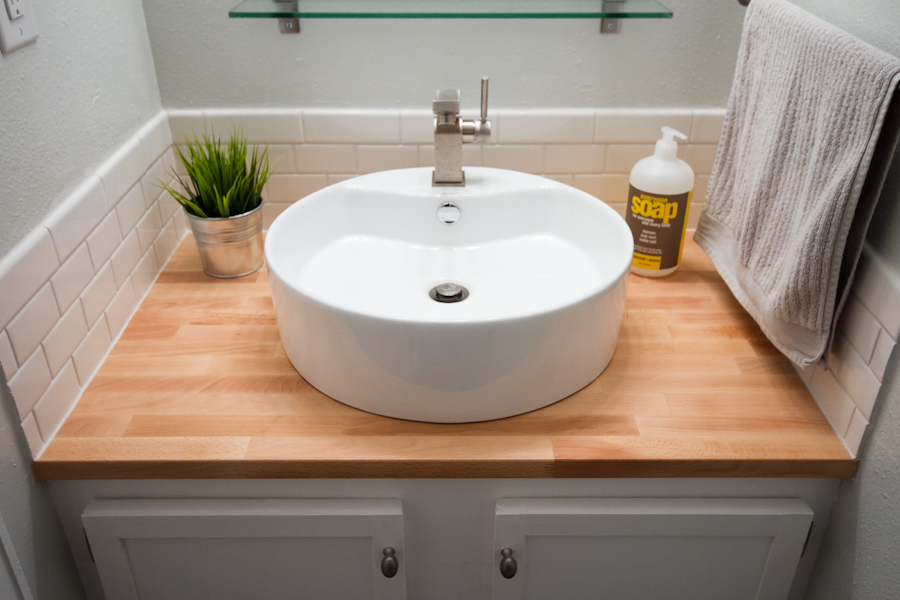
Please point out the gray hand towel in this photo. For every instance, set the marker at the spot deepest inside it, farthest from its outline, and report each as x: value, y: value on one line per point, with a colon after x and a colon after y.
x: 807, y: 140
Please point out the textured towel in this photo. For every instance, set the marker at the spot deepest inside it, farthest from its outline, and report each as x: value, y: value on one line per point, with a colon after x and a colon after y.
x: 807, y: 140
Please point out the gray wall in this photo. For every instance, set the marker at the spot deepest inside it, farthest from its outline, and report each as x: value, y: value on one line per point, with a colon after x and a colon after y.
x: 204, y: 59
x: 68, y: 101
x: 859, y: 557
x: 30, y: 515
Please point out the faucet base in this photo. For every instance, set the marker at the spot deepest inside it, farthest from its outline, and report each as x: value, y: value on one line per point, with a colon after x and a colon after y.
x: 453, y: 184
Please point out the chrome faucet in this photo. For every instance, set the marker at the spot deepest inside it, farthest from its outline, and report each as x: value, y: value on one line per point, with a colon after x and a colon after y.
x: 451, y: 132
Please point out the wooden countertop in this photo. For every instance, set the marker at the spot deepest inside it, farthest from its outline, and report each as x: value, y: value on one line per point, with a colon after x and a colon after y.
x: 199, y: 387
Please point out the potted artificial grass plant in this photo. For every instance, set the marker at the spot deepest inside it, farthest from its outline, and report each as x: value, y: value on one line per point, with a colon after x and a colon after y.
x: 223, y: 202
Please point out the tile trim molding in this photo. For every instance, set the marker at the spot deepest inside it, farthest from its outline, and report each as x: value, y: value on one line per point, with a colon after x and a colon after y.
x: 109, y: 271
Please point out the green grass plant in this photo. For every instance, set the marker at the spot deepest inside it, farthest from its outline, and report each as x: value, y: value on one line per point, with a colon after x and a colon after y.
x: 221, y: 181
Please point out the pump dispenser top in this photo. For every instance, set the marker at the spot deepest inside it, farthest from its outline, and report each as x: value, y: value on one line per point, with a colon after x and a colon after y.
x: 667, y: 147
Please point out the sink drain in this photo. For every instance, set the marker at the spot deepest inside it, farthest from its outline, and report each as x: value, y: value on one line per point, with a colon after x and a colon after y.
x: 448, y: 293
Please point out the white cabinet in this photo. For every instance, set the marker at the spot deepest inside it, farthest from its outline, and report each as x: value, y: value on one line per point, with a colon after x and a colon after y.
x: 641, y: 548
x: 222, y: 549
x: 614, y: 539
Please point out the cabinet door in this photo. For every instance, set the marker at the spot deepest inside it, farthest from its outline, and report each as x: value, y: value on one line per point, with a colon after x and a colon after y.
x: 239, y: 549
x: 640, y: 548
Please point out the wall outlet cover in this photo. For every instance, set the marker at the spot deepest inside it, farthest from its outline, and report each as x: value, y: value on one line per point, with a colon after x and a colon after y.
x: 19, y: 31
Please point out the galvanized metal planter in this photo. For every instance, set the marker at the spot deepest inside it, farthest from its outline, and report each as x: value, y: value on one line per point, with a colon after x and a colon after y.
x: 230, y: 246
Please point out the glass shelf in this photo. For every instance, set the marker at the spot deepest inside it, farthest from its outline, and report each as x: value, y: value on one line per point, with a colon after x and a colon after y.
x: 451, y: 9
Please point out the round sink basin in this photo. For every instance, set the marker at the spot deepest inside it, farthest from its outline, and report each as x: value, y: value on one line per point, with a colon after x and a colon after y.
x: 368, y: 284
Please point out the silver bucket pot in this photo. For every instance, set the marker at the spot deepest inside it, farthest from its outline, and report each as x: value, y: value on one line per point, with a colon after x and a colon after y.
x: 230, y: 246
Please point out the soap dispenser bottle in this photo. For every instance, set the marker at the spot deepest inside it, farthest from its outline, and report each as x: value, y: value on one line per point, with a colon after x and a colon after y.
x: 659, y: 198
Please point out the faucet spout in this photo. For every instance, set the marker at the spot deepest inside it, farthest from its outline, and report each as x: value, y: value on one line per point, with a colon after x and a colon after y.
x: 451, y: 132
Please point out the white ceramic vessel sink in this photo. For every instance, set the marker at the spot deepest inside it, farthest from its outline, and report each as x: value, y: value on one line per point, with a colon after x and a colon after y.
x: 545, y: 265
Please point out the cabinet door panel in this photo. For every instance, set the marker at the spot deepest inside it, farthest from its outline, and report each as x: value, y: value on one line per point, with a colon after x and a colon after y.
x: 622, y: 549
x: 237, y: 549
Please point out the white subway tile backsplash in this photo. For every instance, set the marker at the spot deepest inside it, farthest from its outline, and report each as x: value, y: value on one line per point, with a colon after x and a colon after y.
x: 351, y: 127
x: 860, y: 327
x: 472, y: 156
x: 91, y: 351
x: 156, y: 136
x: 612, y: 189
x: 24, y: 270
x: 417, y: 127
x: 566, y: 158
x: 832, y: 399
x: 33, y: 323
x: 125, y: 259
x: 130, y: 209
x: 566, y: 179
x: 701, y: 186
x: 258, y: 125
x: 271, y: 212
x: 120, y: 309
x: 30, y: 382
x: 174, y: 164
x: 123, y: 169
x: 7, y: 358
x: 882, y: 354
x: 370, y: 159
x: 573, y: 126
x: 97, y: 296
x: 638, y: 126
x: 858, y: 380
x: 620, y: 158
x: 877, y: 285
x: 78, y: 215
x: 706, y: 126
x: 426, y: 156
x: 855, y: 432
x: 186, y: 123
x: 57, y: 400
x: 694, y: 213
x: 32, y: 435
x: 62, y: 340
x: 529, y: 159
x: 149, y: 227
x: 104, y: 240
x: 165, y: 243
x: 284, y: 189
x: 168, y: 207
x: 72, y: 278
x: 325, y: 158
x: 150, y: 182
x: 144, y: 274
x: 281, y: 158
x: 338, y: 178
x: 701, y: 158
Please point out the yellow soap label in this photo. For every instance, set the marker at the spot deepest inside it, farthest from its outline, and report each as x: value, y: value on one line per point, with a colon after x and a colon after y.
x: 646, y: 262
x: 657, y: 223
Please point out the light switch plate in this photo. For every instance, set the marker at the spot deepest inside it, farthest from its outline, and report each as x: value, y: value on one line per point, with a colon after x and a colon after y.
x: 17, y: 32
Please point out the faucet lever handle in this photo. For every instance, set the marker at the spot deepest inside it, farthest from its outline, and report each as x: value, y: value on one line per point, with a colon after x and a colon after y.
x: 484, y: 98
x: 446, y: 101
